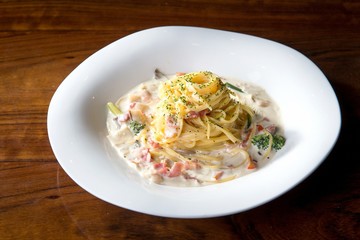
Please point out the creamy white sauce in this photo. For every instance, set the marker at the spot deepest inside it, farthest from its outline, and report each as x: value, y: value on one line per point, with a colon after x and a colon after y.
x: 140, y: 102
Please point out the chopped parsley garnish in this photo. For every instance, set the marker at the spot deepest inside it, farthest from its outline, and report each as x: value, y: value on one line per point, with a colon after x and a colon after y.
x: 261, y: 141
x: 278, y: 142
x: 136, y: 127
x: 229, y: 85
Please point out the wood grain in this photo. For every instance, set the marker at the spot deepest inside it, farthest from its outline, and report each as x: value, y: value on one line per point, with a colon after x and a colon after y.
x: 41, y: 42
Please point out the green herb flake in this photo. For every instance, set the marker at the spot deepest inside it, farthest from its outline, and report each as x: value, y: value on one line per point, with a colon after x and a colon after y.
x: 261, y: 141
x: 278, y: 142
x: 229, y: 85
x: 136, y: 127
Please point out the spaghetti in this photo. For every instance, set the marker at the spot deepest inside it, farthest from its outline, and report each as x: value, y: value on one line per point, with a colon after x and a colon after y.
x: 191, y: 129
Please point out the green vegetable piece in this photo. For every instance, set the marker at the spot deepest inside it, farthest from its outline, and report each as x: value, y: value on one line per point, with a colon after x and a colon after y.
x: 248, y: 121
x: 136, y: 127
x: 113, y: 109
x: 229, y: 85
x: 278, y: 142
x: 261, y: 141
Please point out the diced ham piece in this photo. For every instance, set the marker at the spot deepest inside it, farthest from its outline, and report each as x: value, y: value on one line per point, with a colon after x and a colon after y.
x: 145, y: 155
x: 193, y: 114
x: 132, y: 105
x: 123, y: 117
x: 154, y: 144
x: 171, y: 128
x: 189, y: 177
x: 271, y: 128
x: 190, y: 165
x: 161, y: 168
x: 176, y: 169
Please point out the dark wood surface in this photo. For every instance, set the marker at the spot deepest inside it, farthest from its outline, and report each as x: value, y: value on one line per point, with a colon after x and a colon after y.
x: 41, y: 42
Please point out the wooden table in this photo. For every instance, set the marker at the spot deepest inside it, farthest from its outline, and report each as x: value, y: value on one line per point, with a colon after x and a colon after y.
x: 41, y: 42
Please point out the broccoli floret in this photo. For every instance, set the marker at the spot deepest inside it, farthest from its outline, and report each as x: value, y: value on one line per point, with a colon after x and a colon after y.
x: 261, y: 141
x: 278, y: 142
x: 136, y: 127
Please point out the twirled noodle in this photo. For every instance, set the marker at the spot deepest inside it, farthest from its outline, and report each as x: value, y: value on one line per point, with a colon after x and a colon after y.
x: 198, y: 112
x: 190, y: 129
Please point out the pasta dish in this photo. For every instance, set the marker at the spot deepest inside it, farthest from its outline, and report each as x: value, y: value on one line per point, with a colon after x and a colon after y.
x: 194, y: 129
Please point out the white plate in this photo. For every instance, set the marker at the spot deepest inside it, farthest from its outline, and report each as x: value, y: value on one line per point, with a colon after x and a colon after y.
x: 77, y: 115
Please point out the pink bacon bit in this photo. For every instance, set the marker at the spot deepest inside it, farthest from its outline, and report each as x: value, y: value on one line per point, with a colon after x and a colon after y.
x: 176, y: 169
x: 145, y: 155
x: 180, y: 74
x: 132, y: 105
x: 193, y: 114
x: 161, y: 168
x: 123, y: 117
x: 154, y: 144
x: 187, y: 176
x: 271, y: 128
x: 191, y: 165
x: 171, y: 127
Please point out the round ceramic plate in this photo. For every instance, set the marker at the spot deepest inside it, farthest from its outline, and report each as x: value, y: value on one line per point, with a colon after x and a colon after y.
x: 77, y: 117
